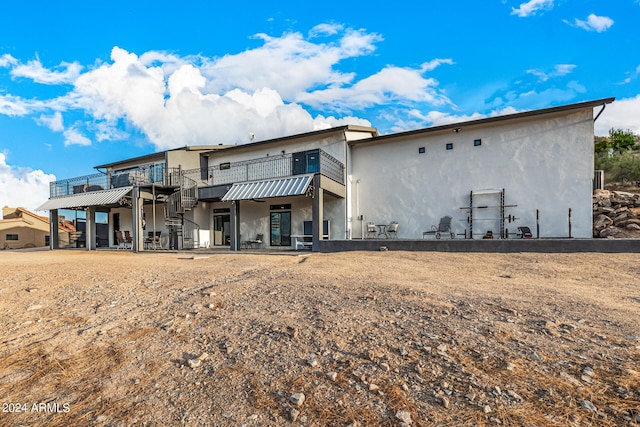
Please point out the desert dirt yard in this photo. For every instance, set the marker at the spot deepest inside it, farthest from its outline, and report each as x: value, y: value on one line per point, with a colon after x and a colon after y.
x: 343, y: 339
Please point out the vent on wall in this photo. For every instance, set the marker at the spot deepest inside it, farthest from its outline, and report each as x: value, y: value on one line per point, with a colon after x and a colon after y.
x: 450, y: 146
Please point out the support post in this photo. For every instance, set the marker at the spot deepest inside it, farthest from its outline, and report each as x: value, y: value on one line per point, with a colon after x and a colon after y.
x: 136, y: 215
x: 235, y: 225
x: 317, y: 213
x: 90, y: 225
x: 53, y: 230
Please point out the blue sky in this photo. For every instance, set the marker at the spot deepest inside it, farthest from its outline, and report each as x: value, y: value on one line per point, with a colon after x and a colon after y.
x: 86, y: 83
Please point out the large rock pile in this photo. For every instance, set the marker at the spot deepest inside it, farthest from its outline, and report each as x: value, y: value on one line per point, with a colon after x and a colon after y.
x: 616, y: 214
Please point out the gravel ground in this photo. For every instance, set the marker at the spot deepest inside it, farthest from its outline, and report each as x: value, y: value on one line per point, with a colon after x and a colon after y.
x: 345, y: 339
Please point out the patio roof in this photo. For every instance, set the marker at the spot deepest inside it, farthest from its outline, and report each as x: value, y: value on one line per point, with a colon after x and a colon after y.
x: 282, y: 187
x: 92, y: 198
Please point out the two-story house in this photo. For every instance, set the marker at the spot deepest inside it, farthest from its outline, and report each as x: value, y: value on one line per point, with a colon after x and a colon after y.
x: 489, y: 176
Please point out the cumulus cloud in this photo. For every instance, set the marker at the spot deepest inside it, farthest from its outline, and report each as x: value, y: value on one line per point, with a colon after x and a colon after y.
x: 532, y: 7
x: 270, y: 90
x: 593, y: 23
x: 621, y: 114
x: 23, y: 187
x: 558, y: 71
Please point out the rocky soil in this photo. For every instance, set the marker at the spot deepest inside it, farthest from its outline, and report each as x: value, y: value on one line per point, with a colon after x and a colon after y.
x: 346, y: 339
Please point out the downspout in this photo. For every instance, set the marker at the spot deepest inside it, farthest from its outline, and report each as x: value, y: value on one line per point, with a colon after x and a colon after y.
x: 601, y: 111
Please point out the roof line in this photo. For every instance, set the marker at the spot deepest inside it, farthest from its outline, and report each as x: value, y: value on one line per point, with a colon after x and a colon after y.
x: 454, y: 126
x: 344, y: 128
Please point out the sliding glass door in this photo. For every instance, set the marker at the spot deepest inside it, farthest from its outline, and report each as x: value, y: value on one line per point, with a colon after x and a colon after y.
x: 280, y: 228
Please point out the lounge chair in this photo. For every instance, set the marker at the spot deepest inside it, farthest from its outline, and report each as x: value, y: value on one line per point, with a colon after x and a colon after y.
x: 525, y: 233
x: 392, y: 230
x: 443, y: 228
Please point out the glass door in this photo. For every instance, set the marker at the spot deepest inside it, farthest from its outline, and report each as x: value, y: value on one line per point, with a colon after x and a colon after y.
x: 221, y: 230
x: 280, y: 229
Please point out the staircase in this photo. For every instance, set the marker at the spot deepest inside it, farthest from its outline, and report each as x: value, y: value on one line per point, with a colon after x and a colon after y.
x: 177, y: 204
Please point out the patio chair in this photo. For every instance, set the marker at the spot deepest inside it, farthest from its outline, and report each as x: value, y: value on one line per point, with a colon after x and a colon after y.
x: 148, y: 241
x: 392, y: 229
x: 371, y: 230
x: 443, y: 227
x: 120, y: 240
x: 127, y: 239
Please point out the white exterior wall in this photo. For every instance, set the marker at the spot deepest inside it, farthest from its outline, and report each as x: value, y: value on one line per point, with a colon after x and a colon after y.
x: 542, y: 162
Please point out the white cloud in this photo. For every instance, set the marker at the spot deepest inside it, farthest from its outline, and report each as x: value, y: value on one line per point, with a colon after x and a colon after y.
x: 593, y: 23
x: 73, y: 136
x: 190, y: 100
x: 621, y: 114
x: 7, y: 60
x: 22, y: 187
x: 532, y: 7
x: 35, y: 71
x: 52, y: 122
x: 558, y: 71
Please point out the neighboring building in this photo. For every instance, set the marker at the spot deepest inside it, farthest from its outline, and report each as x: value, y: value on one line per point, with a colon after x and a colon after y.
x: 21, y: 228
x: 492, y: 174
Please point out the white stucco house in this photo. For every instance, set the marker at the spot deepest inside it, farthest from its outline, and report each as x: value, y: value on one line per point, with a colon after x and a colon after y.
x: 532, y: 169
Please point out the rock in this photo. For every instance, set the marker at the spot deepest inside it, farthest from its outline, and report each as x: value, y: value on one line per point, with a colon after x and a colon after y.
x: 536, y: 356
x: 373, y: 387
x: 495, y: 420
x: 633, y: 227
x: 510, y: 366
x: 585, y: 404
x: 332, y: 375
x: 442, y: 348
x: 486, y: 409
x: 293, y: 414
x: 512, y: 394
x: 34, y: 307
x: 404, y: 416
x: 403, y: 352
x: 312, y: 362
x: 445, y: 402
x: 194, y: 363
x: 297, y: 399
x: 588, y: 371
x: 610, y: 232
x: 385, y: 367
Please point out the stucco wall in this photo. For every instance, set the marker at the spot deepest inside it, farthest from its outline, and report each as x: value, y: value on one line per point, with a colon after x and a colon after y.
x: 544, y: 163
x: 255, y: 216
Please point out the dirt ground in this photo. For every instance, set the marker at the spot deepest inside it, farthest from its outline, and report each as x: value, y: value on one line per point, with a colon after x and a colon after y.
x: 359, y: 339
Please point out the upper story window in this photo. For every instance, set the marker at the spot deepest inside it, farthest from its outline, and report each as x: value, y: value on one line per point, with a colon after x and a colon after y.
x: 11, y: 237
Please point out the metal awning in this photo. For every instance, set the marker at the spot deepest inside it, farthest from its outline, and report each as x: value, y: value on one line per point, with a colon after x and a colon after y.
x: 282, y: 187
x: 92, y: 198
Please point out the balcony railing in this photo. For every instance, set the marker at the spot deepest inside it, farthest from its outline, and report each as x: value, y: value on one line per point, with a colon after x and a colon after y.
x: 225, y: 173
x: 142, y: 175
x: 264, y: 168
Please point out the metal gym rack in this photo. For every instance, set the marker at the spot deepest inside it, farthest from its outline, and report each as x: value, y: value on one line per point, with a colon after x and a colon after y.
x: 501, y: 206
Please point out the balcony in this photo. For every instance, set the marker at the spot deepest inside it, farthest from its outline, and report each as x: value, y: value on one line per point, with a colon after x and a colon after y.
x: 141, y: 175
x: 290, y: 164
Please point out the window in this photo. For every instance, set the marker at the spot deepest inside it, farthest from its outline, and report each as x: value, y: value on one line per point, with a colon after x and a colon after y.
x: 280, y: 229
x: 12, y: 237
x: 450, y: 146
x: 477, y: 142
x: 421, y: 150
